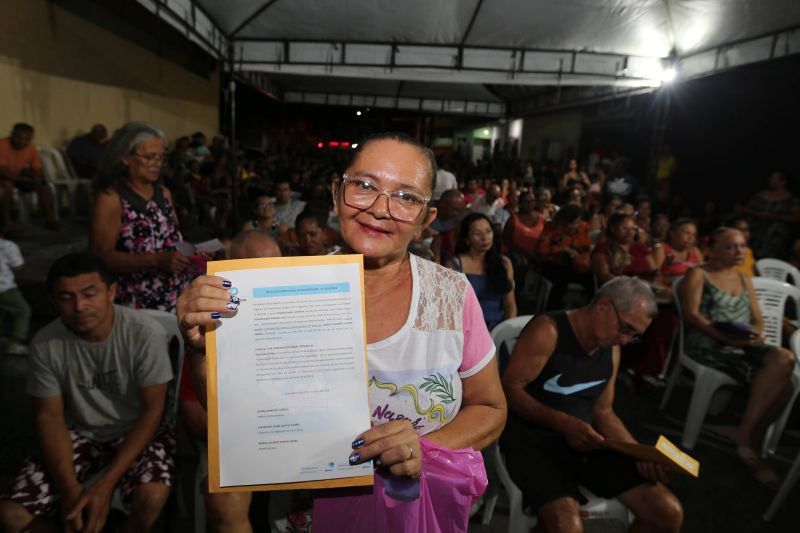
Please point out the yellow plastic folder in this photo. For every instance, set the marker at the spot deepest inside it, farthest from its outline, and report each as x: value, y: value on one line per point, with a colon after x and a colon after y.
x: 287, y: 375
x: 664, y: 452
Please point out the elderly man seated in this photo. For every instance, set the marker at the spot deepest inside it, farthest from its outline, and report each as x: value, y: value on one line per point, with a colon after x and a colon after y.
x: 99, y: 377
x: 560, y: 389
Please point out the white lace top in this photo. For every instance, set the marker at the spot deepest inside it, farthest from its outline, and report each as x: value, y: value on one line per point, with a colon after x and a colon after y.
x: 416, y: 373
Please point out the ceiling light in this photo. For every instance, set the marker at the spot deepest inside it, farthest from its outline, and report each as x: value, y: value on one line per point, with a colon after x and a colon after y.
x: 668, y: 75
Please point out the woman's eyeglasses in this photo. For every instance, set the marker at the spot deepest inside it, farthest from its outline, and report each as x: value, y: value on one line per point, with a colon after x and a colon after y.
x: 152, y: 159
x: 361, y: 193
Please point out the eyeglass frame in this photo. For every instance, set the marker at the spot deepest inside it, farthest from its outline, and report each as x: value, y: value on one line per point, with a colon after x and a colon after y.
x: 150, y: 159
x: 626, y: 326
x: 383, y: 192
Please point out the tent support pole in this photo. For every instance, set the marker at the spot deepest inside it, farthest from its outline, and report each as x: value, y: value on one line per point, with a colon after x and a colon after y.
x: 233, y: 164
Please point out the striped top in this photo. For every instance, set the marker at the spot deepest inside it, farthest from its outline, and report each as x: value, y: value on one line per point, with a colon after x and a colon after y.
x: 719, y: 306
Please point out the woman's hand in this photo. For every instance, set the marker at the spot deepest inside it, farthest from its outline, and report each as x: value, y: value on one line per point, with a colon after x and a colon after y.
x: 746, y: 343
x: 205, y: 300
x: 394, y: 446
x: 172, y: 262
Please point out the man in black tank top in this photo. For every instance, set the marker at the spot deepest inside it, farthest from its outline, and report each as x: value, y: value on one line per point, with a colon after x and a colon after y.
x: 560, y: 390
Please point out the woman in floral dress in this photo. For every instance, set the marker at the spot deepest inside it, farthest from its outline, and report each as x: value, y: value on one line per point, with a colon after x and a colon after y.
x: 134, y: 227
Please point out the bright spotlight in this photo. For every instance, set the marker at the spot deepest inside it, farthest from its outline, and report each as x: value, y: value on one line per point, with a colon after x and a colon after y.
x: 354, y: 146
x: 486, y: 132
x: 668, y: 75
x: 358, y: 113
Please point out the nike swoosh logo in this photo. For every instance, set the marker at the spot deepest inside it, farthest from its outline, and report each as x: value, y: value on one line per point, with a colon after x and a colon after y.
x: 551, y: 385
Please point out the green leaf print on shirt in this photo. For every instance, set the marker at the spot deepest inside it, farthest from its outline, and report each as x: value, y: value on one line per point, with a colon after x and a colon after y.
x: 439, y: 386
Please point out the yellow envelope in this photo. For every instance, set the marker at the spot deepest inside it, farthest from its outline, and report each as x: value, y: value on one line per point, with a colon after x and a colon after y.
x: 212, y: 384
x: 664, y: 452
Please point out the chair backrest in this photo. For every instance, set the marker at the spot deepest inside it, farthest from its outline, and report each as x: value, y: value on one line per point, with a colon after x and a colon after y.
x: 61, y: 164
x: 772, y: 296
x: 676, y: 285
x: 779, y: 270
x: 49, y: 167
x: 794, y: 343
x: 507, y: 332
x: 53, y: 166
x: 169, y: 322
x: 536, y: 289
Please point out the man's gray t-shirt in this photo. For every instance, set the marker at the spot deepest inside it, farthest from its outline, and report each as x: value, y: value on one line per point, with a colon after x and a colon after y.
x: 99, y: 381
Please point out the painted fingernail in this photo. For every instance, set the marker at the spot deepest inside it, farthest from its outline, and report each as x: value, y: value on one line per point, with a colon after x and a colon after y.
x: 235, y: 300
x: 355, y: 458
x: 226, y: 283
x: 357, y: 443
x: 215, y: 315
x: 232, y: 306
x: 377, y: 463
x: 234, y: 290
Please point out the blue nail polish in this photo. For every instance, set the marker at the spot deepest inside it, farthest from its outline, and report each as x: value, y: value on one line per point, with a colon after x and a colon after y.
x: 232, y: 306
x: 215, y: 315
x: 355, y: 458
x: 357, y: 443
x: 226, y: 283
x: 234, y: 290
x: 235, y: 300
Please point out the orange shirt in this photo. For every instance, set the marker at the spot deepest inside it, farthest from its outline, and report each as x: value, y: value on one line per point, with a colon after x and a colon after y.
x: 15, y: 161
x: 556, y: 239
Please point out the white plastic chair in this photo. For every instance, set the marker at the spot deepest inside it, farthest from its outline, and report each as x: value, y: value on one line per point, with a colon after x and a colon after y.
x: 779, y: 270
x: 707, y: 381
x: 169, y: 322
x: 58, y: 174
x: 508, y: 332
x: 794, y: 472
x: 772, y: 296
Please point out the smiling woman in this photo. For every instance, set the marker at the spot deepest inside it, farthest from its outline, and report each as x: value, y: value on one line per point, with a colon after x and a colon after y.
x: 134, y: 227
x: 433, y: 377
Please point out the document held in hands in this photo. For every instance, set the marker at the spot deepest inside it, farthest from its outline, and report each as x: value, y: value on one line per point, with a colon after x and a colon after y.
x: 287, y: 375
x: 664, y: 452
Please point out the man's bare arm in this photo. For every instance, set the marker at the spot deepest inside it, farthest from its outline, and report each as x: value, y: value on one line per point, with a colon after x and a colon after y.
x: 55, y: 442
x: 605, y: 419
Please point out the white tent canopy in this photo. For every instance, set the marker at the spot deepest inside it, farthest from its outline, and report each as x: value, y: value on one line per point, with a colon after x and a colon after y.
x: 381, y: 45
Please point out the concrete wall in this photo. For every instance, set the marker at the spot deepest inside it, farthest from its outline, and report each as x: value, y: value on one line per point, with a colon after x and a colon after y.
x: 62, y: 74
x: 560, y: 130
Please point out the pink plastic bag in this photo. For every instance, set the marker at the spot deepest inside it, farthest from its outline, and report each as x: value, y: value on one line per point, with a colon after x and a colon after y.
x: 451, y: 482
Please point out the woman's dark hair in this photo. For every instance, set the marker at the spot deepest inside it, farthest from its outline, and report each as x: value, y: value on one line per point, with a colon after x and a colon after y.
x: 72, y: 265
x: 617, y: 255
x: 567, y: 215
x: 311, y: 214
x: 495, y: 269
x: 731, y: 222
x: 405, y: 139
x: 677, y: 223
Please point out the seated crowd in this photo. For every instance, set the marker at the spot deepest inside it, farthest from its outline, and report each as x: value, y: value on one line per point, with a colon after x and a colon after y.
x: 99, y: 373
